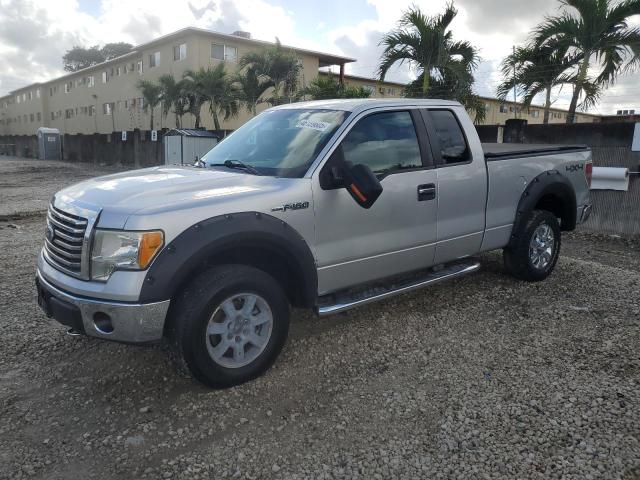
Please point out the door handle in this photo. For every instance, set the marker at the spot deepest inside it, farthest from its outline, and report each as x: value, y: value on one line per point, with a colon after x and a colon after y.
x: 426, y: 192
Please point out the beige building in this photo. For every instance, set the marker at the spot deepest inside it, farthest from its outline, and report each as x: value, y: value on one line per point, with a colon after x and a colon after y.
x: 104, y: 98
x: 498, y: 112
x: 377, y: 88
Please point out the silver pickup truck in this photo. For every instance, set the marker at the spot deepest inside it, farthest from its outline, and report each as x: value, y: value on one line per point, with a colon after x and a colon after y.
x: 323, y: 205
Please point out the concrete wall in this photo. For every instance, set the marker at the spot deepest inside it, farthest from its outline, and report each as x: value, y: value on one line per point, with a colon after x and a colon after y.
x: 137, y: 151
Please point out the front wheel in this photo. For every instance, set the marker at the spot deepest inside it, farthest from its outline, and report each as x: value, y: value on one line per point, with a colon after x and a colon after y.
x: 535, y: 250
x: 229, y: 324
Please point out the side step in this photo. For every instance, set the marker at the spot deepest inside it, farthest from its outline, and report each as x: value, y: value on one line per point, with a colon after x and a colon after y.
x: 346, y: 300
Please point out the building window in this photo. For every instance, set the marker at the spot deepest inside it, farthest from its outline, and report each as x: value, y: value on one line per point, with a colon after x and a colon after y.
x: 17, y: 98
x: 217, y: 51
x: 90, y: 81
x: 118, y: 71
x: 503, y: 109
x: 68, y: 113
x: 140, y: 67
x: 92, y: 110
x: 231, y: 54
x: 107, y: 108
x: 224, y: 52
x: 39, y: 116
x: 535, y: 113
x: 24, y: 97
x: 180, y: 52
x: 140, y: 103
x: 37, y: 93
x: 154, y: 59
x: 30, y: 95
x: 32, y: 117
x: 104, y: 77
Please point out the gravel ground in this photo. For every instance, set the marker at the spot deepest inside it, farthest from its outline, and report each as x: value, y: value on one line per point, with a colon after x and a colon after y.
x: 483, y: 377
x: 19, y: 175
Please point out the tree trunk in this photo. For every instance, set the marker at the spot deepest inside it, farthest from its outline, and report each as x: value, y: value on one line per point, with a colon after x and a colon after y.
x: 426, y: 80
x: 151, y: 118
x: 582, y: 75
x: 216, y: 122
x: 547, y: 106
x: 197, y: 115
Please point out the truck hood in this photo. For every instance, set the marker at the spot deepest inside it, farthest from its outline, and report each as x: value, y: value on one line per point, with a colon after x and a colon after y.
x: 158, y: 189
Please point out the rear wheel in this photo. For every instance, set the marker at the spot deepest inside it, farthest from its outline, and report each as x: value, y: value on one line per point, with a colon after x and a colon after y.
x: 230, y: 324
x: 535, y: 250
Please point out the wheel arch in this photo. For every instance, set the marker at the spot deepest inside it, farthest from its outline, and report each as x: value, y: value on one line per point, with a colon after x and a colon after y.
x: 248, y: 238
x: 550, y: 191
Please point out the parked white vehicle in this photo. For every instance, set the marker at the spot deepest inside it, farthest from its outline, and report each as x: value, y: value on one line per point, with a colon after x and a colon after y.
x: 325, y: 205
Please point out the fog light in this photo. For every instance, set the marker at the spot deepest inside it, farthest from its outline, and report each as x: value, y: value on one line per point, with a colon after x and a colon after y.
x: 102, y: 321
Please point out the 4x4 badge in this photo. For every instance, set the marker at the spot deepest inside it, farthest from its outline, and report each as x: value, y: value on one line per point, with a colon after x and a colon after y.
x: 291, y: 206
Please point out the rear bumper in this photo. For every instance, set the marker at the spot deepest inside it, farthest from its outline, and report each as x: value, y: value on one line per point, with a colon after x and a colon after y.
x: 117, y: 321
x: 584, y: 212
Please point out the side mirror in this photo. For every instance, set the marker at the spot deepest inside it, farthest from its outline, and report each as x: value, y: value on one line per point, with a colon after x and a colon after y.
x: 363, y: 185
x: 359, y: 180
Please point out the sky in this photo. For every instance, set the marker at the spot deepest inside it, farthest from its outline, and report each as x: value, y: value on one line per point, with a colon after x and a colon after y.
x: 34, y: 34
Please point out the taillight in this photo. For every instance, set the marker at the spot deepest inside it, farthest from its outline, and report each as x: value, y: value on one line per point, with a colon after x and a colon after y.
x: 588, y: 172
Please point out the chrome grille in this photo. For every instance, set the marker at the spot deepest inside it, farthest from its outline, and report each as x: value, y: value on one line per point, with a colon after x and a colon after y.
x: 64, y: 241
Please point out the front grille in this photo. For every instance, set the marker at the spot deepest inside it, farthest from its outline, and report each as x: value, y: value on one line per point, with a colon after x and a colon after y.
x: 65, y: 240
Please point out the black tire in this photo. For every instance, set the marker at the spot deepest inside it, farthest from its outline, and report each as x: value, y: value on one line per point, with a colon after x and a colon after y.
x: 196, y: 304
x: 517, y: 260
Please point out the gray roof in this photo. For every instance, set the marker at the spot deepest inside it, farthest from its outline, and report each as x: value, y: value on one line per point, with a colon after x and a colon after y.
x: 190, y: 132
x: 359, y: 104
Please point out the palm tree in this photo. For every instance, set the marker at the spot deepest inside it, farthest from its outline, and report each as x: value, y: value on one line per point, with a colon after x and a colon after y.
x: 151, y: 93
x: 598, y: 31
x: 280, y: 66
x: 446, y: 66
x: 251, y: 87
x: 325, y: 87
x: 193, y: 91
x: 427, y: 43
x: 173, y: 96
x: 215, y: 86
x: 537, y: 70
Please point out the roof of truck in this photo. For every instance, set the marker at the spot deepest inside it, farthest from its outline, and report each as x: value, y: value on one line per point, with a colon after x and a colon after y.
x: 359, y: 104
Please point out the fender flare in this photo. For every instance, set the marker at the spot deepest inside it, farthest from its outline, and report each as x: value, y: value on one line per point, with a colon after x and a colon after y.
x: 195, y: 246
x: 551, y: 182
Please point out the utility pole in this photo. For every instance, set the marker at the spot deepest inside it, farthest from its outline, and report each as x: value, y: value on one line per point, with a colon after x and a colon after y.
x: 515, y: 94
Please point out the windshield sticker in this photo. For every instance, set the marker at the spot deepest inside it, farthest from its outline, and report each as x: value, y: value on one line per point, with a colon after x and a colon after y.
x: 320, y: 126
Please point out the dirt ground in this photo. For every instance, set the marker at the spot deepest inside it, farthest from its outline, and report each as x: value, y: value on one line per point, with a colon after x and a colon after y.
x: 482, y: 377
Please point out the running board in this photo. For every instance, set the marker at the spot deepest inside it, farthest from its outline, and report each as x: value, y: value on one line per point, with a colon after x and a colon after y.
x: 342, y: 301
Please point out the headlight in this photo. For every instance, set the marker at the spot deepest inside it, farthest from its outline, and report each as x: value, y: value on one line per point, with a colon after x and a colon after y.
x: 120, y: 250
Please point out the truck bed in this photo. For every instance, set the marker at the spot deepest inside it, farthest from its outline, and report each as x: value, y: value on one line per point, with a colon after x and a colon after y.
x: 503, y: 151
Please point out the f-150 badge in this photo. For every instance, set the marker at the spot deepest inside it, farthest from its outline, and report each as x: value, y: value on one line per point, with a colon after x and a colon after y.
x: 291, y: 206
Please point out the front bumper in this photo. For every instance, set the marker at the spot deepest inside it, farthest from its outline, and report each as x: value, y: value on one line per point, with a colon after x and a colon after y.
x: 117, y: 321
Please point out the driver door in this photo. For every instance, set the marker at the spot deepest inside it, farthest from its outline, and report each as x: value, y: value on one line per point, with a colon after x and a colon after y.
x: 398, y: 232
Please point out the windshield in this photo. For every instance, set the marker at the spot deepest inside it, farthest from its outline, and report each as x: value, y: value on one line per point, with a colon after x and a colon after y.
x: 280, y: 143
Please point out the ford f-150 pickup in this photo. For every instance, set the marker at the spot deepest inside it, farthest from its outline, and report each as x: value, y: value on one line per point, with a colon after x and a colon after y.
x: 323, y: 205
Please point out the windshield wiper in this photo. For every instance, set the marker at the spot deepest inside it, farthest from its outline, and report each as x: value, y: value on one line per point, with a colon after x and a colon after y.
x: 238, y: 165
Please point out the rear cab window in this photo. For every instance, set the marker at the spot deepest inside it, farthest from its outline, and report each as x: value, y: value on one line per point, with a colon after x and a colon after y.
x: 448, y: 141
